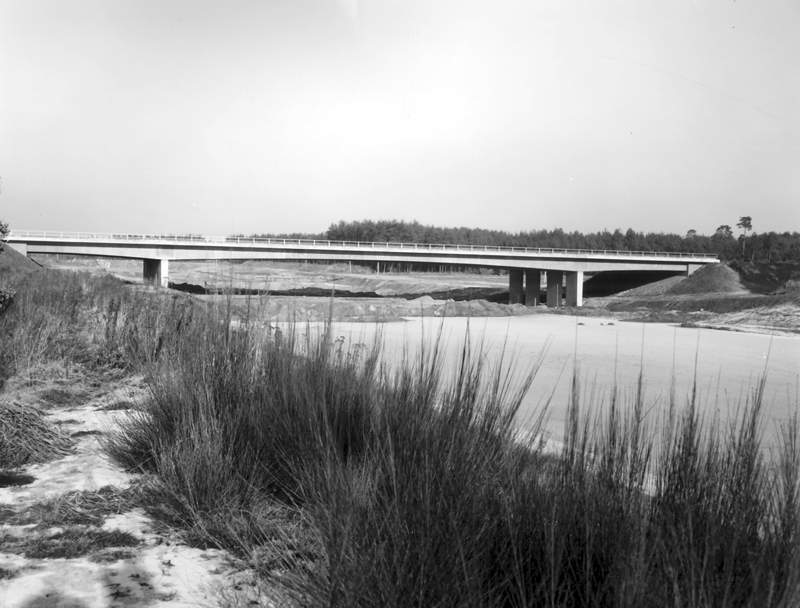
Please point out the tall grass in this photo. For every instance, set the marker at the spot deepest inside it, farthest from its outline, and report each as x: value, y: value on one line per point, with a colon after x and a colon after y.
x: 352, y: 483
x: 349, y: 482
x: 76, y: 319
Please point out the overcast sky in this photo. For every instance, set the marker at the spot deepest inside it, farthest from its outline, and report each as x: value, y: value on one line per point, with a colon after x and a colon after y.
x: 278, y: 116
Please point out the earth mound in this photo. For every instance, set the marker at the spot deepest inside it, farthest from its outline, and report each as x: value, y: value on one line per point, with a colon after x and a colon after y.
x: 711, y: 278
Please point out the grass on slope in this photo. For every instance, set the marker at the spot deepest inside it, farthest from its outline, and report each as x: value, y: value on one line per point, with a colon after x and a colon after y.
x: 764, y: 277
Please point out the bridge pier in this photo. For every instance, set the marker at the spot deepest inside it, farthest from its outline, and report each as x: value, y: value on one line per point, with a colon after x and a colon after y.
x: 555, y: 282
x: 575, y: 288
x: 515, y: 286
x: 18, y: 247
x: 533, y: 283
x: 155, y: 272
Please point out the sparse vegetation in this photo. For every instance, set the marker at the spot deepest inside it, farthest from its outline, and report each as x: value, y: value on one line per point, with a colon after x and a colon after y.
x: 6, y: 298
x: 72, y: 542
x: 75, y: 508
x: 110, y: 556
x: 6, y: 573
x: 4, y: 230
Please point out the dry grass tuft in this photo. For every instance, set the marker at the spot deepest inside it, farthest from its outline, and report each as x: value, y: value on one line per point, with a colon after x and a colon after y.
x: 109, y: 556
x: 59, y: 396
x: 13, y: 478
x: 75, y: 508
x: 122, y: 405
x: 67, y: 544
x: 27, y: 438
x: 6, y: 573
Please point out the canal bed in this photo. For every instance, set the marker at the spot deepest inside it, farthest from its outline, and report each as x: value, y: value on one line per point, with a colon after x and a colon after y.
x: 726, y: 366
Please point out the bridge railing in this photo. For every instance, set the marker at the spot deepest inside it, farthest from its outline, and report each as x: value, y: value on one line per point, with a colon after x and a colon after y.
x: 217, y: 240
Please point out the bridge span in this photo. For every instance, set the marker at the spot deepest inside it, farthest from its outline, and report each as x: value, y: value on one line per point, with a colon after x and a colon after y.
x: 524, y: 265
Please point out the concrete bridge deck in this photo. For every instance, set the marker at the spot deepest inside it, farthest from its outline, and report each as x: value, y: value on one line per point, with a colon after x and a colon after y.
x: 522, y: 263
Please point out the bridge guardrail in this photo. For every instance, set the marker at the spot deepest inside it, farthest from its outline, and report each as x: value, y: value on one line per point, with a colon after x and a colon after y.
x: 190, y: 238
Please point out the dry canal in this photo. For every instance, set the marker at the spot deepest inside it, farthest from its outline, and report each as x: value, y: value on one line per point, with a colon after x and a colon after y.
x: 727, y: 365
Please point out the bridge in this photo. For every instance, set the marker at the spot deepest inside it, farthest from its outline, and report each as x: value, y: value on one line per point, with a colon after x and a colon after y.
x: 525, y: 265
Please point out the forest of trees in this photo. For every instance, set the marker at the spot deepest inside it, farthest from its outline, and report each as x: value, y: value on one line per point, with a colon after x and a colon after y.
x: 765, y: 247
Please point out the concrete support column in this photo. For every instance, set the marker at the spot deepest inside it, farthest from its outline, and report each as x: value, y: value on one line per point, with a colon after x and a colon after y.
x: 690, y: 268
x: 515, y: 286
x: 555, y: 283
x: 156, y: 272
x: 533, y: 283
x: 575, y: 288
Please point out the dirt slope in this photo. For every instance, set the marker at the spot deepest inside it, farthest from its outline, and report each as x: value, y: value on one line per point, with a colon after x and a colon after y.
x: 653, y: 289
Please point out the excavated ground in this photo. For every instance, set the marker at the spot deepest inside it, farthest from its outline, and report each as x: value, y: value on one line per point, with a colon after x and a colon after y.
x: 742, y: 296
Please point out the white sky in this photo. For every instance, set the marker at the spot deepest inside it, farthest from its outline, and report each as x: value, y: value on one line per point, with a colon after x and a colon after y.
x: 288, y: 115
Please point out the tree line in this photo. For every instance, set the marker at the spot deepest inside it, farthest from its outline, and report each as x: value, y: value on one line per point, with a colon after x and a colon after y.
x: 750, y: 246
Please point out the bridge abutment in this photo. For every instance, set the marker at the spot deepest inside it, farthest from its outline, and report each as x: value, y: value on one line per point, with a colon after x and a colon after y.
x: 155, y: 272
x: 18, y: 247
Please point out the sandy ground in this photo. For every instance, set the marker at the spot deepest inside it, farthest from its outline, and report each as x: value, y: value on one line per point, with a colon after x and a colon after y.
x: 783, y: 319
x: 161, y: 571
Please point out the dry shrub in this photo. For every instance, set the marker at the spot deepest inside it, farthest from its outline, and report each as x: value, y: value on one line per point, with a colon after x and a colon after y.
x: 6, y: 298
